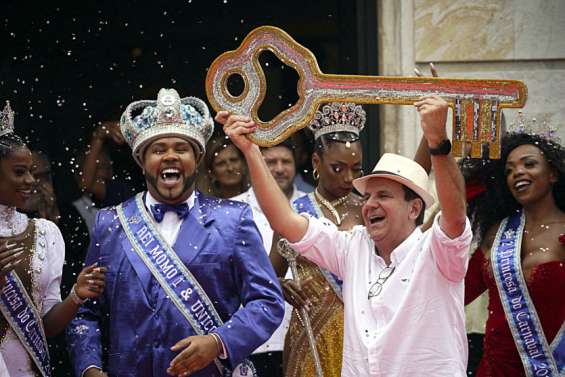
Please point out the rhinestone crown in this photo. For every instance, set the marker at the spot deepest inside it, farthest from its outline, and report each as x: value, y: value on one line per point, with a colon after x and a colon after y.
x: 6, y: 120
x: 169, y: 115
x: 524, y: 125
x: 338, y: 117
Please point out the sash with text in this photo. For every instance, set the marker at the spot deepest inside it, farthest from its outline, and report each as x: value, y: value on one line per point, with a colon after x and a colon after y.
x: 173, y: 276
x: 538, y: 357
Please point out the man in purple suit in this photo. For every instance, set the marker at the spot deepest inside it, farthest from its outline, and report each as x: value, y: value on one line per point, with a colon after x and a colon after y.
x: 189, y: 287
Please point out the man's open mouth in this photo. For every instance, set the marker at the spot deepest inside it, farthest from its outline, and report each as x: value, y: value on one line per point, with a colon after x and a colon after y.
x: 375, y: 219
x: 170, y: 176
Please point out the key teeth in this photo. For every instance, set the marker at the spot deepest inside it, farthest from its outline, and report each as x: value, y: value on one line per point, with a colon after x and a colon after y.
x: 494, y: 151
x: 476, y: 149
x: 457, y: 148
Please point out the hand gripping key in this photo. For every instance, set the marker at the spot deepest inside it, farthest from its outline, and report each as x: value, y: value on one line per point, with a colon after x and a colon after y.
x: 476, y: 104
x: 290, y: 255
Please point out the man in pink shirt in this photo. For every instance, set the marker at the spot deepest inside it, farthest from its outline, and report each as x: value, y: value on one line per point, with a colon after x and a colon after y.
x: 402, y: 288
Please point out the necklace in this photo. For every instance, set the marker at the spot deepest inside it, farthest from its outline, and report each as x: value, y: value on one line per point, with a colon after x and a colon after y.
x: 8, y: 217
x: 330, y: 206
x: 340, y: 201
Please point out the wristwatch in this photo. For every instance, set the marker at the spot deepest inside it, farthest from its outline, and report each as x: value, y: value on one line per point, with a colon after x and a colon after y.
x: 442, y: 149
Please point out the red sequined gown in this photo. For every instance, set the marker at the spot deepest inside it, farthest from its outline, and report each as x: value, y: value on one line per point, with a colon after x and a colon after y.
x: 546, y: 286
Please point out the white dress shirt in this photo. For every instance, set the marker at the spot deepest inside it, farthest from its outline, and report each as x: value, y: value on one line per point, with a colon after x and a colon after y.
x: 87, y: 210
x: 47, y: 266
x: 416, y: 325
x: 3, y: 368
x: 276, y: 342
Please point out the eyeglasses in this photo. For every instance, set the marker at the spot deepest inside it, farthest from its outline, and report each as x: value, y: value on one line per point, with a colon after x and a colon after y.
x: 377, y: 287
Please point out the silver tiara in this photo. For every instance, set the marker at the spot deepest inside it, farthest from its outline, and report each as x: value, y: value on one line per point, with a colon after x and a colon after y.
x: 6, y: 120
x: 525, y: 125
x: 338, y: 117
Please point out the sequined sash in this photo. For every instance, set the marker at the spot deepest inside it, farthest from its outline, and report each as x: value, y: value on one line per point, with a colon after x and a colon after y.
x: 23, y: 269
x: 307, y: 204
x: 173, y: 276
x: 20, y: 311
x: 538, y: 357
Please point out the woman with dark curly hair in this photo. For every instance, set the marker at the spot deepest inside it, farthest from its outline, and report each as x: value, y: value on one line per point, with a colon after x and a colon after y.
x: 520, y: 217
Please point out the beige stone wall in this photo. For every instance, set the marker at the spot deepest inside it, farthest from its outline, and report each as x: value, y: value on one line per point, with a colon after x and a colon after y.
x: 507, y: 39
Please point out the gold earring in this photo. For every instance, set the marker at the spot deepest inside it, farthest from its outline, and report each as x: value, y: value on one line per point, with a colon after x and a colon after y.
x: 315, y: 174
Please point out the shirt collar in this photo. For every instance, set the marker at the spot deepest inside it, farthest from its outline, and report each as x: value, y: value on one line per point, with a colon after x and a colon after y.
x: 405, y: 246
x: 150, y: 200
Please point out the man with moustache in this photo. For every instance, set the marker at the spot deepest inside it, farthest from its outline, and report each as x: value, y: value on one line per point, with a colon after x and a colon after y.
x: 190, y: 289
x: 402, y: 288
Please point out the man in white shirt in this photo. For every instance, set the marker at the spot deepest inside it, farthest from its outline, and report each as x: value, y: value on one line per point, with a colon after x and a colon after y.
x: 402, y: 289
x: 280, y: 161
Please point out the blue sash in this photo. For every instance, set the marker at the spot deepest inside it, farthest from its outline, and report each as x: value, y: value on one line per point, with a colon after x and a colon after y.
x: 538, y: 358
x: 307, y: 204
x: 173, y: 276
x: 24, y: 319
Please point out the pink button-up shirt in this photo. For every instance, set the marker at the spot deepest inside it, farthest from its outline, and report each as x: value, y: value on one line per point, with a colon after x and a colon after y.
x: 416, y: 325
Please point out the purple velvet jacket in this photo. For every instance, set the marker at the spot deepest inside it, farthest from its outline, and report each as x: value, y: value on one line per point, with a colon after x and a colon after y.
x: 130, y: 329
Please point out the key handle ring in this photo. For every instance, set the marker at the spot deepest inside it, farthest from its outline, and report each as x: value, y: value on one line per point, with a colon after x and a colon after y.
x: 476, y: 104
x: 244, y: 61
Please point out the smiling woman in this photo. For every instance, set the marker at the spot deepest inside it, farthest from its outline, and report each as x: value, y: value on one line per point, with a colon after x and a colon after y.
x: 523, y: 205
x: 31, y: 261
x: 226, y: 172
x: 15, y: 171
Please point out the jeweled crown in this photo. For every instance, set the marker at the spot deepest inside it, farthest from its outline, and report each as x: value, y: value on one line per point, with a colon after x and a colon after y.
x: 338, y: 117
x: 170, y: 115
x: 6, y: 120
x: 525, y: 125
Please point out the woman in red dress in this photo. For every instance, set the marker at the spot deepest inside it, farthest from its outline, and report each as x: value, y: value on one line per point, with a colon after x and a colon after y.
x: 530, y: 177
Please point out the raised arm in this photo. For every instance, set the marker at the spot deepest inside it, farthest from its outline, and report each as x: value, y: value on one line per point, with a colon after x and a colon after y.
x: 89, y: 182
x: 449, y: 180
x: 272, y: 200
x: 422, y: 153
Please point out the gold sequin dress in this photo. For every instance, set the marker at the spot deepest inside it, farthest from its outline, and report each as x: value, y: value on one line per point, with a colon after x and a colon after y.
x: 326, y: 316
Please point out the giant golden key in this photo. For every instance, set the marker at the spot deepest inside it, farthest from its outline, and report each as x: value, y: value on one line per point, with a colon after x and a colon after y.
x: 476, y: 104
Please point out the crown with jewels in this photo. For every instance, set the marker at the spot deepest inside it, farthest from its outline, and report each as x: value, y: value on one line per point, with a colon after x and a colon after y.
x: 524, y: 125
x: 6, y: 120
x: 338, y: 117
x: 170, y: 115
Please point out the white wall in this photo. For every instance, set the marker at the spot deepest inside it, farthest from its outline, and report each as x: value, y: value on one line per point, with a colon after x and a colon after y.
x: 520, y: 39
